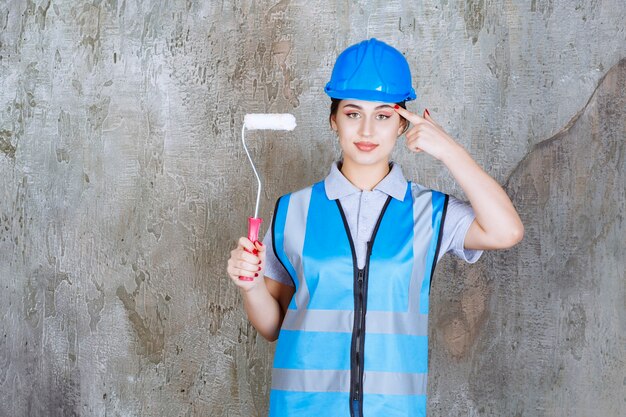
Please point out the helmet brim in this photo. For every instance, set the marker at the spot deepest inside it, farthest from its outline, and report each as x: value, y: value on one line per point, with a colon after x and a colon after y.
x: 369, y: 95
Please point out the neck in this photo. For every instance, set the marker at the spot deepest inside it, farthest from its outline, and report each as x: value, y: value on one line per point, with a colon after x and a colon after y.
x: 365, y: 177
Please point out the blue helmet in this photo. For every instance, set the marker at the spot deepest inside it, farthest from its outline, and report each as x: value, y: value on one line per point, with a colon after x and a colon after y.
x: 371, y: 70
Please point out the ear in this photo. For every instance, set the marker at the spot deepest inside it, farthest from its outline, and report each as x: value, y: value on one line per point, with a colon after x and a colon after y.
x: 403, y: 126
x: 333, y: 122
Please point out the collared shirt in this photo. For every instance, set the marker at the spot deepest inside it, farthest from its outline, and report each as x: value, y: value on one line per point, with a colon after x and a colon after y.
x: 362, y: 208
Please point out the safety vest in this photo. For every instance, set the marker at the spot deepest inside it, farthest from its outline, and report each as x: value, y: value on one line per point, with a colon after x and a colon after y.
x: 355, y: 338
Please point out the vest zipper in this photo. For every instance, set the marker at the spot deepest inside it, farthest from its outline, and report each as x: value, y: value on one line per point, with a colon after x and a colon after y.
x: 360, y: 308
x: 359, y: 313
x: 359, y: 319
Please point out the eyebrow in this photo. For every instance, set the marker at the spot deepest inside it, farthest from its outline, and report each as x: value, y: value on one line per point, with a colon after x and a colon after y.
x: 361, y: 108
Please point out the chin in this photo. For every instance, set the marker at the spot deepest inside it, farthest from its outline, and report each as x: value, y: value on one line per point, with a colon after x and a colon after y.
x: 366, y: 160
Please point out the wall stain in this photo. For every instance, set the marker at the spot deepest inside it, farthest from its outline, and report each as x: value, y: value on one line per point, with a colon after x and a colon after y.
x: 95, y: 306
x: 291, y: 84
x: 550, y: 321
x: 279, y: 7
x: 149, y: 330
x: 545, y: 7
x: 474, y: 16
x: 97, y: 113
x: 42, y: 11
x: 52, y: 284
x: 464, y: 320
x: 574, y: 330
x: 62, y: 155
x: 564, y: 131
x: 5, y: 144
x: 152, y: 340
x: 277, y: 19
x: 30, y: 303
x: 89, y: 23
x: 216, y: 314
x: 42, y: 281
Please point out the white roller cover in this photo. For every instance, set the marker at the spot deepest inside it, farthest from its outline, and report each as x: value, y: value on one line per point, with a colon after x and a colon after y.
x: 271, y: 121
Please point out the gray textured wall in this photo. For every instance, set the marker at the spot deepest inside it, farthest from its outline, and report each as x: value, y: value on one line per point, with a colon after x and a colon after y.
x: 123, y: 187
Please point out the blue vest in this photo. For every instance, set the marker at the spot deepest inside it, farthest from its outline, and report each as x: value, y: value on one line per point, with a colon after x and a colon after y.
x: 355, y: 341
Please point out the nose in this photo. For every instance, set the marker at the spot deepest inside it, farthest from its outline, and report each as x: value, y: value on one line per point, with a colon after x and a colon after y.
x: 366, y: 127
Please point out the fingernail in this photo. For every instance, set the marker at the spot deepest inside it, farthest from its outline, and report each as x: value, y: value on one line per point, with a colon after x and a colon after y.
x: 396, y: 107
x: 255, y: 251
x: 259, y: 261
x: 427, y: 112
x: 259, y: 269
x: 261, y: 243
x: 256, y: 275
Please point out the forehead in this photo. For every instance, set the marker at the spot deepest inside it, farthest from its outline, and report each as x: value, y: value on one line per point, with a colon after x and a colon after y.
x: 365, y: 105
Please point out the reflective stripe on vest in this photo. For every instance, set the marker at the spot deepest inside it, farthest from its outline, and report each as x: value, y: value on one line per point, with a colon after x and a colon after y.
x: 326, y: 357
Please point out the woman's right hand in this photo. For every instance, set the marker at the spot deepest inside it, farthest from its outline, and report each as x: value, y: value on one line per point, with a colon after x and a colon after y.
x: 248, y: 264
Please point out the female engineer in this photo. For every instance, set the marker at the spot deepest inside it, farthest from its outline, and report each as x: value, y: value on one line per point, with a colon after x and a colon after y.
x: 342, y: 278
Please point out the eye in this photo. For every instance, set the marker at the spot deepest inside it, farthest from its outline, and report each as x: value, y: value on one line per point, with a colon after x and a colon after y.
x: 352, y: 115
x: 382, y: 117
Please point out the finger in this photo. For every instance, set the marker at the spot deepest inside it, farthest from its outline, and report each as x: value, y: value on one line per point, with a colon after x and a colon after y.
x: 412, y: 145
x: 245, y: 243
x: 416, y: 129
x: 236, y: 266
x: 260, y: 246
x: 235, y: 273
x: 412, y: 137
x: 248, y: 257
x: 247, y: 266
x: 262, y: 251
x: 245, y: 273
x: 414, y: 148
x: 428, y: 117
x: 411, y: 117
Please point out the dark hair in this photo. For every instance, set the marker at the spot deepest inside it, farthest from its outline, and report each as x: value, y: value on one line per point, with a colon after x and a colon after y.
x: 334, y: 106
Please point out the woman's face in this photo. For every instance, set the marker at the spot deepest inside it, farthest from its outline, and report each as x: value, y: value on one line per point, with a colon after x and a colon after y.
x: 367, y: 131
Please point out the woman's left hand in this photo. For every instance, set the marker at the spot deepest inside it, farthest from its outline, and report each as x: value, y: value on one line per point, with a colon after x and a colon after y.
x: 497, y: 224
x: 426, y: 135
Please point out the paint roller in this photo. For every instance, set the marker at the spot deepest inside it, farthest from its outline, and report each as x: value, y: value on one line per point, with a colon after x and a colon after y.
x: 261, y: 121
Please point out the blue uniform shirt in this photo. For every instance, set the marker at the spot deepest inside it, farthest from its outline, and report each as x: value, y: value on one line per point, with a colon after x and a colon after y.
x: 362, y: 209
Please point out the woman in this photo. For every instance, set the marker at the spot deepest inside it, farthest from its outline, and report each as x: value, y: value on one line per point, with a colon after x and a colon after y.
x: 344, y: 286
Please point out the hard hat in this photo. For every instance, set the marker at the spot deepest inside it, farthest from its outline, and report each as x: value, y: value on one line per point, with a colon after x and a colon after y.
x: 371, y: 70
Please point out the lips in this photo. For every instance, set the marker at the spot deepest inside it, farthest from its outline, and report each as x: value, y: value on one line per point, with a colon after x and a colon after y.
x: 365, y: 146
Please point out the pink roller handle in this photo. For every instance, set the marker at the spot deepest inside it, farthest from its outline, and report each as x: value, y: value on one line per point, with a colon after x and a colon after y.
x: 253, y: 234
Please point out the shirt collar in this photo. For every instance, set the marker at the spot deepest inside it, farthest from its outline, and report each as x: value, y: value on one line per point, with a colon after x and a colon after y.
x: 337, y: 185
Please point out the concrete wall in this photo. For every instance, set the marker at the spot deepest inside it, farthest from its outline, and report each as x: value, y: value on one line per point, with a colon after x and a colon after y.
x: 124, y: 185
